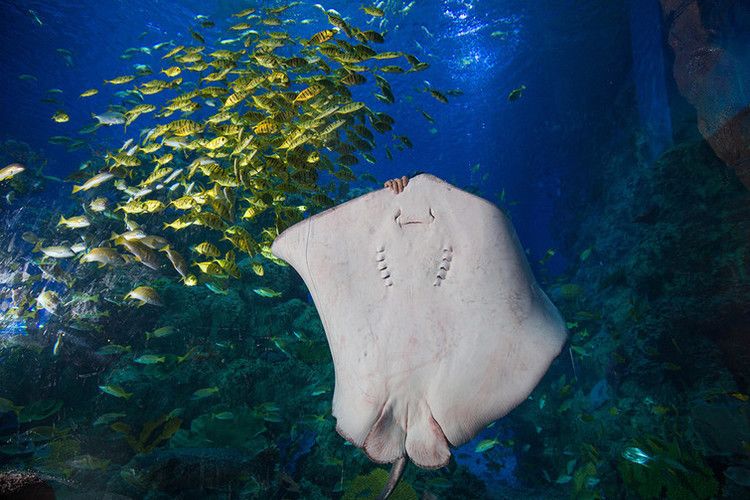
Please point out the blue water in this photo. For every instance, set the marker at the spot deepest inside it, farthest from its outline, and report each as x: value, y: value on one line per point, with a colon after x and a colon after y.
x: 14, y: 328
x: 631, y: 220
x: 573, y: 57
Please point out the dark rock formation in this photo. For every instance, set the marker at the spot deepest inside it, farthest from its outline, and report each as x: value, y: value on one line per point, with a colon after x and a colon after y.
x: 709, y: 69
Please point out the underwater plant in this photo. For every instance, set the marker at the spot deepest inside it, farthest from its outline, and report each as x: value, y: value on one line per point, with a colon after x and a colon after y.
x: 152, y: 434
x: 369, y: 485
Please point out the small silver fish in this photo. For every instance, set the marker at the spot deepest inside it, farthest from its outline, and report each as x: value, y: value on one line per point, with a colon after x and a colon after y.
x: 58, y: 344
x: 109, y: 118
x: 172, y: 176
x: 636, y: 455
x: 141, y: 193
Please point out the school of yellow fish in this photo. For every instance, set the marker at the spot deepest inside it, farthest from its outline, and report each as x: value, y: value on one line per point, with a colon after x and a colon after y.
x: 244, y: 129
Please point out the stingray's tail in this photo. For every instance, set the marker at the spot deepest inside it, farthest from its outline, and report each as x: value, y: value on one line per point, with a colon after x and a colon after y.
x: 396, y: 471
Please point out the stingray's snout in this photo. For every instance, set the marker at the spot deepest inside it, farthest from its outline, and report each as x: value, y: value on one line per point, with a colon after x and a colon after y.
x: 403, y: 219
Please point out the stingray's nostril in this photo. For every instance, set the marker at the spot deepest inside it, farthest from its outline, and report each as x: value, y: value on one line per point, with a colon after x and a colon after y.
x: 398, y: 214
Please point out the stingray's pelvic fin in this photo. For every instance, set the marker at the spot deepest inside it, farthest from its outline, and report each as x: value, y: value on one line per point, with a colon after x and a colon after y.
x: 398, y: 468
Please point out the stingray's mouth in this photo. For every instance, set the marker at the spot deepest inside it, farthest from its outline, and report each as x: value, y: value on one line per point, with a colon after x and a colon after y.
x: 402, y: 221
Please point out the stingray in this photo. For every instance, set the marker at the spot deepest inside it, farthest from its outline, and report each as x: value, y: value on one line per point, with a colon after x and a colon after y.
x: 434, y: 320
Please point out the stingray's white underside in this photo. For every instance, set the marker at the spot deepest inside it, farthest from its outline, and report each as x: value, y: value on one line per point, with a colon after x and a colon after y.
x: 435, y: 322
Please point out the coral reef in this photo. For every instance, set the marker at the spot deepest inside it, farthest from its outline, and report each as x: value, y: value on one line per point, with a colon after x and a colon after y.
x: 658, y: 359
x: 710, y: 64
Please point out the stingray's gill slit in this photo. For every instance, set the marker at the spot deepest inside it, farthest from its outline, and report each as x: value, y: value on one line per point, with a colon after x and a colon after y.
x: 385, y: 274
x: 445, y: 265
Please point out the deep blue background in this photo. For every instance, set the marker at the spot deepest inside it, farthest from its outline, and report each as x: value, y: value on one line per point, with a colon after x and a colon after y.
x: 575, y: 58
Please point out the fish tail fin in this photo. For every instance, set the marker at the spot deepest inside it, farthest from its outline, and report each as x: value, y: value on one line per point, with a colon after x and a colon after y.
x: 62, y: 221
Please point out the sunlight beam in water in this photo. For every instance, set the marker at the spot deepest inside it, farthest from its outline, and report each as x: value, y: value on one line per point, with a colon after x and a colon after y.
x: 479, y: 41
